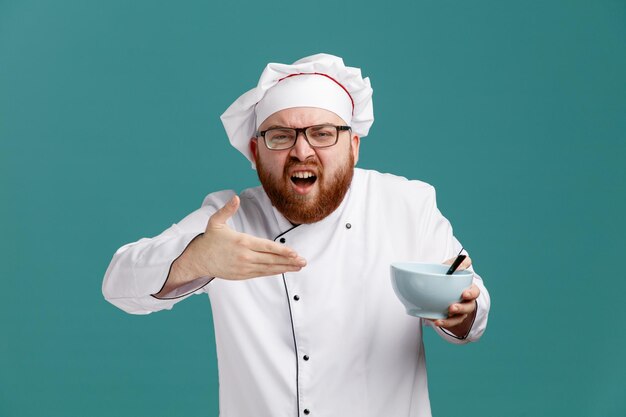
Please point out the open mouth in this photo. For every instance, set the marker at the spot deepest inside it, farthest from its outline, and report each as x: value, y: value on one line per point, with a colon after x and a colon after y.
x: 303, y: 180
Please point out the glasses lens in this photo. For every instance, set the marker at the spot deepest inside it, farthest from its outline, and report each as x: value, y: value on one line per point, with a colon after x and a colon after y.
x: 280, y: 138
x: 324, y: 135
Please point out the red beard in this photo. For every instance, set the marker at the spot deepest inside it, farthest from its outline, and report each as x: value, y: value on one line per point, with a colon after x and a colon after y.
x: 300, y: 209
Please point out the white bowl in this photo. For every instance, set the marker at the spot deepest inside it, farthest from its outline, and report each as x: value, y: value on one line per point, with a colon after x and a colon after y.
x: 425, y: 289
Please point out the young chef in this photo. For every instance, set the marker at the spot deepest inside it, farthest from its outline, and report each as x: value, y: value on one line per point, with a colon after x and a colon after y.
x: 297, y: 271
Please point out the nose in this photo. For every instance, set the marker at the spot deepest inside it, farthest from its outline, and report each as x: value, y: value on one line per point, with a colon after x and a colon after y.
x: 302, y: 150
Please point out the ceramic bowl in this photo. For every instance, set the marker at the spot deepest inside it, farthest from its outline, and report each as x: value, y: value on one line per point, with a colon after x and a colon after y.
x: 425, y: 289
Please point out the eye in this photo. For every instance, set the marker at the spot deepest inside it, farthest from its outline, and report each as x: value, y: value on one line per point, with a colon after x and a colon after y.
x: 323, y: 132
x: 279, y: 135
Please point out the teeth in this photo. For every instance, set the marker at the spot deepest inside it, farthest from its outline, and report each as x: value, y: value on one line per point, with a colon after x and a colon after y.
x: 302, y: 174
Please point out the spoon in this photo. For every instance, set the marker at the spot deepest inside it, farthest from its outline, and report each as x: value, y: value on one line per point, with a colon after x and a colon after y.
x: 457, y: 262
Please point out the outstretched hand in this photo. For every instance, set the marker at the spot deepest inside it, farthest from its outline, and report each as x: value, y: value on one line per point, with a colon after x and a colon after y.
x: 225, y: 253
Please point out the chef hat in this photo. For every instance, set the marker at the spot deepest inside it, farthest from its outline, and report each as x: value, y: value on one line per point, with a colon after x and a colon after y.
x: 320, y: 80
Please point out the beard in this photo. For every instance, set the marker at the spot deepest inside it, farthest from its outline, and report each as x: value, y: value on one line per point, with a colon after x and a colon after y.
x: 304, y: 209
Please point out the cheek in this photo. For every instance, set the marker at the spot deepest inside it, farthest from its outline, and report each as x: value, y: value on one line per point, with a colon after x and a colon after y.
x: 272, y: 162
x: 335, y: 157
x: 332, y: 163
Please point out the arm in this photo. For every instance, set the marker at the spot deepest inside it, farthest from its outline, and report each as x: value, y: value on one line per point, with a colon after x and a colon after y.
x: 154, y: 274
x: 140, y: 269
x: 223, y: 252
x: 467, y: 319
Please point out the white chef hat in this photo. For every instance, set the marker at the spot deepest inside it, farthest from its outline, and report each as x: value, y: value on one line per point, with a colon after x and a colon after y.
x: 320, y: 80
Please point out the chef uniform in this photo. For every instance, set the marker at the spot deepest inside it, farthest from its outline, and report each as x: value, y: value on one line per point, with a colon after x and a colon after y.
x: 331, y: 339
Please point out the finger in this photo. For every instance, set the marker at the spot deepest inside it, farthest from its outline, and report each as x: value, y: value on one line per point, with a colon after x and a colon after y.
x: 278, y: 269
x: 471, y: 293
x: 220, y: 217
x: 467, y: 262
x: 462, y: 308
x: 451, y: 321
x: 269, y: 246
x: 264, y: 258
x: 255, y: 271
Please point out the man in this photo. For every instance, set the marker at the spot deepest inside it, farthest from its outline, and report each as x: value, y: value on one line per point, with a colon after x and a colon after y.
x: 306, y: 321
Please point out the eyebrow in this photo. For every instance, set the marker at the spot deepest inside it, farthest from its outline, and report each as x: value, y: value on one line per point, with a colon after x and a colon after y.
x: 287, y: 127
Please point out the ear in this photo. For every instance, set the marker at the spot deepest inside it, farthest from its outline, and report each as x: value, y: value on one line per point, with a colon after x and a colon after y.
x: 355, y: 141
x: 254, y: 147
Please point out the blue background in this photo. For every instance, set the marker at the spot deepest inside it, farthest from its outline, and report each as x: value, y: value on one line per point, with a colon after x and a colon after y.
x: 110, y: 131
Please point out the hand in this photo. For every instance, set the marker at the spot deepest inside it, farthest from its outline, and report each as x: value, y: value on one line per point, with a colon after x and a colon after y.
x: 461, y: 314
x: 225, y: 253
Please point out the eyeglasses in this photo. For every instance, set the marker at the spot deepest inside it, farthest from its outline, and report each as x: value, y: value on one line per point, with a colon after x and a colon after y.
x: 318, y: 136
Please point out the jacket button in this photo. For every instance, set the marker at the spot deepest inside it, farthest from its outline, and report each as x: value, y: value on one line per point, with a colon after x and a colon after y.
x: 296, y: 297
x: 282, y: 240
x: 305, y: 357
x: 348, y: 226
x: 306, y: 411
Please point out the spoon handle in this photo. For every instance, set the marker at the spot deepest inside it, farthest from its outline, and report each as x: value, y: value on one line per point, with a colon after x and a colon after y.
x: 459, y: 259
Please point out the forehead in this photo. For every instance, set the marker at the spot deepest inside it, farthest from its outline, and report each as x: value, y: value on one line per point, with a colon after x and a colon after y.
x: 301, y: 117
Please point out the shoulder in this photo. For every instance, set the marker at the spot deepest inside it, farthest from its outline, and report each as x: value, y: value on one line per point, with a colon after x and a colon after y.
x: 392, y: 186
x: 248, y: 196
x: 403, y: 208
x: 217, y: 199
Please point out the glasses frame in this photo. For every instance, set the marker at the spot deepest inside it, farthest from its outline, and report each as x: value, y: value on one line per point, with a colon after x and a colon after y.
x: 303, y: 131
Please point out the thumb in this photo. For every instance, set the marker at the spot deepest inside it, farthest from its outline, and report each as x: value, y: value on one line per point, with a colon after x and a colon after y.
x: 220, y: 217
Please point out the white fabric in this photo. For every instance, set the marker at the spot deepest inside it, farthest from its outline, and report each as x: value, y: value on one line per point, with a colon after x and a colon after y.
x: 366, y: 356
x: 239, y: 119
x: 306, y: 90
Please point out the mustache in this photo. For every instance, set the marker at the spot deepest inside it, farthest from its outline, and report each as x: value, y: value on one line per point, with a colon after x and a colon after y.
x: 311, y: 163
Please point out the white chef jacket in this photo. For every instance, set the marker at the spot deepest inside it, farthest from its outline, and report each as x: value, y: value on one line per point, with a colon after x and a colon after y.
x: 331, y: 339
